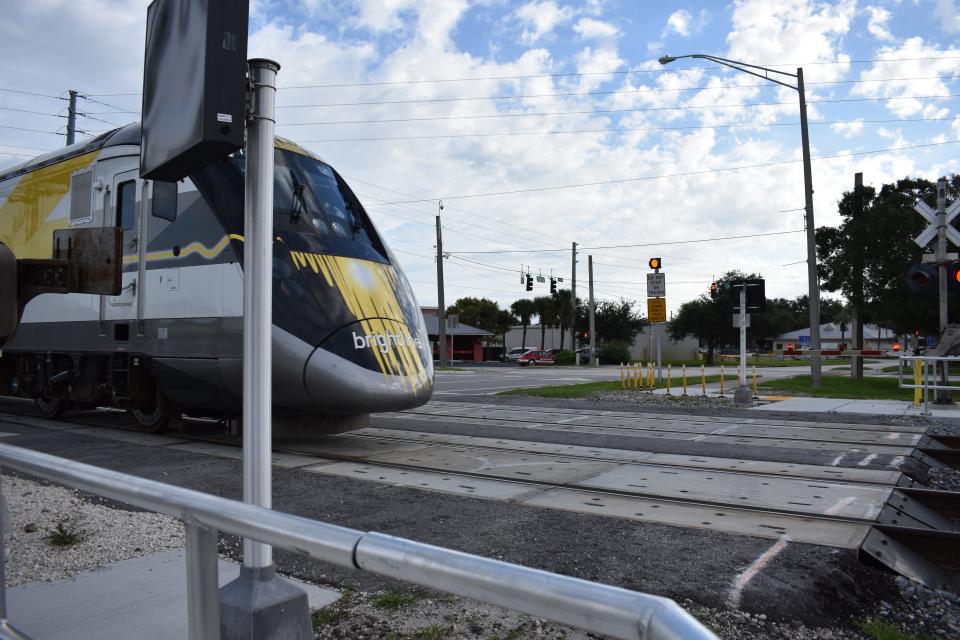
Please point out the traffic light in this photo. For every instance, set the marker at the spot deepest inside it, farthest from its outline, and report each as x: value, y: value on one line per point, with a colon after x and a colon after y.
x: 713, y: 290
x: 923, y: 279
x: 529, y: 282
x: 953, y: 276
x: 553, y: 285
x: 655, y: 263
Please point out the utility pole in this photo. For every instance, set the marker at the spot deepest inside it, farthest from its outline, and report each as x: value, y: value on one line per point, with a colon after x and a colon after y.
x: 813, y: 280
x: 72, y: 118
x: 594, y: 360
x: 856, y: 363
x: 942, y: 395
x: 573, y: 299
x: 441, y: 307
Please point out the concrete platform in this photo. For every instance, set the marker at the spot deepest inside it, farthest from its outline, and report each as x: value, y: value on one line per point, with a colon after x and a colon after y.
x: 132, y: 599
x: 875, y: 407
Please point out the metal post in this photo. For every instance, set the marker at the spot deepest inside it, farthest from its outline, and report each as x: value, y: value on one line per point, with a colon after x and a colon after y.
x: 942, y: 396
x: 573, y: 298
x: 441, y: 307
x: 813, y: 281
x: 856, y: 364
x: 742, y: 395
x: 594, y: 360
x: 203, y: 607
x: 72, y: 118
x: 659, y: 361
x: 259, y: 604
x: 258, y: 303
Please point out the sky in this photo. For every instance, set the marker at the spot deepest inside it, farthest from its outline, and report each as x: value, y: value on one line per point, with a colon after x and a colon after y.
x: 543, y: 123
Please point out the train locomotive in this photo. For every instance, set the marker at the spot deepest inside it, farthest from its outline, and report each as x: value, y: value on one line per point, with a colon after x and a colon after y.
x: 348, y: 336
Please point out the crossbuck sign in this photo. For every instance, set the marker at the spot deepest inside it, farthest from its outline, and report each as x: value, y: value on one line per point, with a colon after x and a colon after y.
x: 931, y: 216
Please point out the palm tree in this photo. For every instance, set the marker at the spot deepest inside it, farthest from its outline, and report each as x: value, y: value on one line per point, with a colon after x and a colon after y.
x: 546, y: 311
x: 562, y: 300
x: 523, y: 309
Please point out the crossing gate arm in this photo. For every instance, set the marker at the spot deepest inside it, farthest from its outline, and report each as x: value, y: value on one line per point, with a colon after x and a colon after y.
x: 598, y: 608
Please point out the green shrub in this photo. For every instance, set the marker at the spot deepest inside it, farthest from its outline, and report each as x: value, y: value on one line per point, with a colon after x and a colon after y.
x: 565, y: 358
x: 614, y: 353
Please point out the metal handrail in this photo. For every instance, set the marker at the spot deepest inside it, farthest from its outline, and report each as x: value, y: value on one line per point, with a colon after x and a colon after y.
x: 603, y: 609
x: 928, y: 366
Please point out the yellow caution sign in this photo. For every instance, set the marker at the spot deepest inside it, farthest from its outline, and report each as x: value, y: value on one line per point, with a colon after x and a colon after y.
x: 656, y: 310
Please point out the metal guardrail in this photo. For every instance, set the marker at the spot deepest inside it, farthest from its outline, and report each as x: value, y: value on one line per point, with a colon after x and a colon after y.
x: 925, y: 373
x: 599, y: 608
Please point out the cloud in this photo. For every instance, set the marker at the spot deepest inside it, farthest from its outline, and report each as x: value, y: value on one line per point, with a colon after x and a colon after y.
x: 589, y: 28
x: 915, y: 64
x: 877, y: 24
x: 948, y: 15
x: 379, y: 15
x: 679, y: 22
x: 848, y: 129
x: 541, y: 18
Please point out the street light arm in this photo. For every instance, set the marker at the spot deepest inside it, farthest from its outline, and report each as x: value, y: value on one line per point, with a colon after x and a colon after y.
x: 739, y: 66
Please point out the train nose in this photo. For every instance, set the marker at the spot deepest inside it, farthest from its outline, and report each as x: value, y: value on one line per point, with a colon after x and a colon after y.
x: 368, y: 366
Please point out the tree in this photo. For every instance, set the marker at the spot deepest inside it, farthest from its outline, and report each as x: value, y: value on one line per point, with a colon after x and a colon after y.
x: 617, y: 321
x: 872, y: 249
x: 562, y: 300
x: 546, y: 313
x: 524, y: 309
x: 478, y: 312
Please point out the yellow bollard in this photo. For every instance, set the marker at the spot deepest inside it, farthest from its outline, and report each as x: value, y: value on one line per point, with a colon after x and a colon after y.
x: 721, y: 381
x: 684, y: 379
x: 703, y: 381
x: 636, y: 375
x: 756, y: 394
x: 668, y: 379
x: 918, y: 392
x: 623, y: 380
x: 738, y: 376
x: 653, y: 376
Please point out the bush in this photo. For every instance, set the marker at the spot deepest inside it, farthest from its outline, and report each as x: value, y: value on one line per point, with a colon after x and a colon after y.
x: 614, y: 353
x: 565, y: 358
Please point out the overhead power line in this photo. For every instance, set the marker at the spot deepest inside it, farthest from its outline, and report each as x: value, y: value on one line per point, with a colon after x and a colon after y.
x: 673, y: 175
x: 607, y: 111
x: 748, y: 125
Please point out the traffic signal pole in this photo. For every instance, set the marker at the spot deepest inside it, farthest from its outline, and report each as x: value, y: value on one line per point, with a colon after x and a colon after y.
x: 573, y: 299
x: 441, y: 309
x: 594, y: 360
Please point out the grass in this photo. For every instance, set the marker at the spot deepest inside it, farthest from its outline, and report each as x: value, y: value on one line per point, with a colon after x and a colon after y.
x: 394, y: 600
x: 333, y: 614
x: 841, y: 387
x: 65, y: 534
x: 883, y: 630
x: 587, y: 389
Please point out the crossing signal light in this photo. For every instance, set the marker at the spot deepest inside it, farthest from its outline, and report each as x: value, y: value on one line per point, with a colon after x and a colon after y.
x: 953, y: 276
x: 655, y: 263
x: 923, y: 278
x: 553, y: 285
x: 529, y: 282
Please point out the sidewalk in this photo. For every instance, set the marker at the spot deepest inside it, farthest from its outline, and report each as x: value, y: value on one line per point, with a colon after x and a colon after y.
x: 132, y: 599
x: 841, y: 405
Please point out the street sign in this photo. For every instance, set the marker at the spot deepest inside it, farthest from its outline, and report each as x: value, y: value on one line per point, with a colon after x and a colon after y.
x: 930, y: 216
x: 656, y: 285
x: 541, y: 279
x: 736, y: 320
x: 803, y: 339
x: 656, y: 310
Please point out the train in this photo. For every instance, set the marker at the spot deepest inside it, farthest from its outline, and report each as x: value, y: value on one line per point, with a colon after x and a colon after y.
x: 348, y: 336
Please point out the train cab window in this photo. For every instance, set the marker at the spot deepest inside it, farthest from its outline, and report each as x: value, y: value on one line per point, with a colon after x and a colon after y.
x: 164, y: 202
x: 127, y: 205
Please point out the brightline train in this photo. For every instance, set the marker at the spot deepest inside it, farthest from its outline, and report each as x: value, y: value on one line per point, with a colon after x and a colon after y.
x: 348, y: 336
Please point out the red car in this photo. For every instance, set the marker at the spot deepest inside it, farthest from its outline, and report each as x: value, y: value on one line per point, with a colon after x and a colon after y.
x: 535, y: 356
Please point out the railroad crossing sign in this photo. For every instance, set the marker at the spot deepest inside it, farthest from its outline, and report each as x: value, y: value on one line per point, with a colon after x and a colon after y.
x: 656, y: 285
x: 656, y: 310
x: 930, y: 216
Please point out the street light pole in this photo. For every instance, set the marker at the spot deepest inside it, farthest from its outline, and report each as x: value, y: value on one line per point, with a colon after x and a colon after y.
x: 813, y: 282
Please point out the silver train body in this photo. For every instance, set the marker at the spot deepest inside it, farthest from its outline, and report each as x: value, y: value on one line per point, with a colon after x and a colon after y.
x: 348, y: 336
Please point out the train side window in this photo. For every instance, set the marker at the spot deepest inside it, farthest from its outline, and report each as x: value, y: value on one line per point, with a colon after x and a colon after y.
x: 164, y: 200
x: 127, y: 205
x: 81, y: 193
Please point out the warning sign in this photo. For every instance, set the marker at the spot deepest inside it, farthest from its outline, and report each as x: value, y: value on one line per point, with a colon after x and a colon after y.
x: 656, y: 310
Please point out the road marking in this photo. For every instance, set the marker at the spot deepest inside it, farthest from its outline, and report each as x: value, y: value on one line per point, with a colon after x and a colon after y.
x: 837, y: 460
x: 867, y: 460
x: 893, y: 436
x: 744, y: 578
x: 718, y: 432
x: 897, y: 462
x: 566, y: 420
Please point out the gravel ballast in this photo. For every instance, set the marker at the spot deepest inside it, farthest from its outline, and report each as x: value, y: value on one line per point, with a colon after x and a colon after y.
x: 54, y: 533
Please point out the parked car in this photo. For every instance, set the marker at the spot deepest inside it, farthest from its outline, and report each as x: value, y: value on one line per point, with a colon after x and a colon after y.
x: 513, y: 354
x: 535, y: 357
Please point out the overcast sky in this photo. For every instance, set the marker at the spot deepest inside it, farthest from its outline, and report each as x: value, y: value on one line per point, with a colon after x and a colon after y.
x: 548, y: 122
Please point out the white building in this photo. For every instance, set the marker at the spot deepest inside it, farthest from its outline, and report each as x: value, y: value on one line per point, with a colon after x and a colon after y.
x: 831, y: 337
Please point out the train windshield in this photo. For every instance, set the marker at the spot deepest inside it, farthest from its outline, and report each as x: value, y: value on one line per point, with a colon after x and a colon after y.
x: 318, y: 210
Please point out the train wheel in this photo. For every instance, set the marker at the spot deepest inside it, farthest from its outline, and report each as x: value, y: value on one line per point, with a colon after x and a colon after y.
x: 153, y: 420
x: 51, y: 407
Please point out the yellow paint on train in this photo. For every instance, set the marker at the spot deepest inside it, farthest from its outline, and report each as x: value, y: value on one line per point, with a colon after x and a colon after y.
x: 25, y: 223
x: 369, y: 290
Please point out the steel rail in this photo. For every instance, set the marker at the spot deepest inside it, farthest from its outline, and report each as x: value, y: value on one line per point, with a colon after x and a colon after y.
x: 598, y: 608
